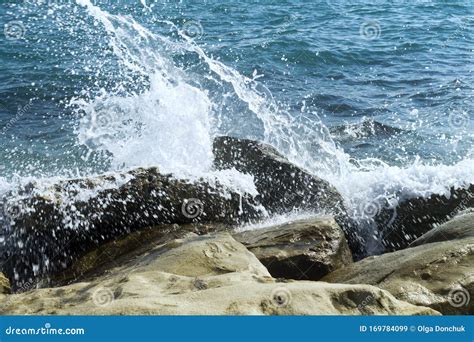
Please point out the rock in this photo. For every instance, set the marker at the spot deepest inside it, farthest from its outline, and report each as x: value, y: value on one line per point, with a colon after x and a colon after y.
x: 414, y: 217
x: 4, y: 285
x: 439, y: 275
x: 284, y: 187
x: 207, y: 275
x: 96, y: 262
x: 459, y: 227
x: 303, y: 250
x: 46, y: 228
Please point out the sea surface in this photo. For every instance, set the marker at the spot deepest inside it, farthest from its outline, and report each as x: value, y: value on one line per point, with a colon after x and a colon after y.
x: 374, y: 96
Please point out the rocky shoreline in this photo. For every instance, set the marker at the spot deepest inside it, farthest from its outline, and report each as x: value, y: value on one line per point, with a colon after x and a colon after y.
x: 152, y: 244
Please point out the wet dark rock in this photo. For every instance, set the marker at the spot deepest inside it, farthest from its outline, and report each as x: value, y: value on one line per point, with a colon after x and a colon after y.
x: 284, y: 187
x: 414, y: 217
x: 50, y: 228
x: 302, y: 250
x: 365, y: 129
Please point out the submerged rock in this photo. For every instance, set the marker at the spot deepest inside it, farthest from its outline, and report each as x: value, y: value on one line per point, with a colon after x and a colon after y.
x: 365, y: 129
x: 439, y: 275
x: 209, y: 275
x: 459, y: 227
x: 414, y: 217
x: 302, y: 250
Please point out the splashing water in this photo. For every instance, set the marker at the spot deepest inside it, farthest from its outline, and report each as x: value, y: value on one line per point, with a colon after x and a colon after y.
x: 161, y: 111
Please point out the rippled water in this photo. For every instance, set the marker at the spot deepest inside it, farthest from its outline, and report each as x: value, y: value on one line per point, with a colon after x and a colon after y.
x: 374, y: 96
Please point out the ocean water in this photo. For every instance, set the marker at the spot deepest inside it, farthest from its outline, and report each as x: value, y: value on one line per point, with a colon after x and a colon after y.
x: 374, y: 96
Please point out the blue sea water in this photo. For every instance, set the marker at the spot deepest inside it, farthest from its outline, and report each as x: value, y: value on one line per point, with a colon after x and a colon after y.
x: 375, y: 96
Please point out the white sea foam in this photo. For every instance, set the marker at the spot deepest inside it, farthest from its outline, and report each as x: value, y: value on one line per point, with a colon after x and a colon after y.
x: 170, y: 122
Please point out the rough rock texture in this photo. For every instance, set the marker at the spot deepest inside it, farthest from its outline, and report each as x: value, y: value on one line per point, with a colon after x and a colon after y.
x: 283, y: 186
x: 4, y: 284
x: 414, y: 217
x: 302, y: 250
x: 439, y: 275
x: 459, y: 227
x: 210, y: 275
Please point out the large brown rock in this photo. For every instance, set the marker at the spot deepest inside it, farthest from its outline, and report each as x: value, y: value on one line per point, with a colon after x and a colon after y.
x: 439, y: 275
x: 459, y: 227
x: 414, y: 217
x: 208, y: 275
x: 304, y: 250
